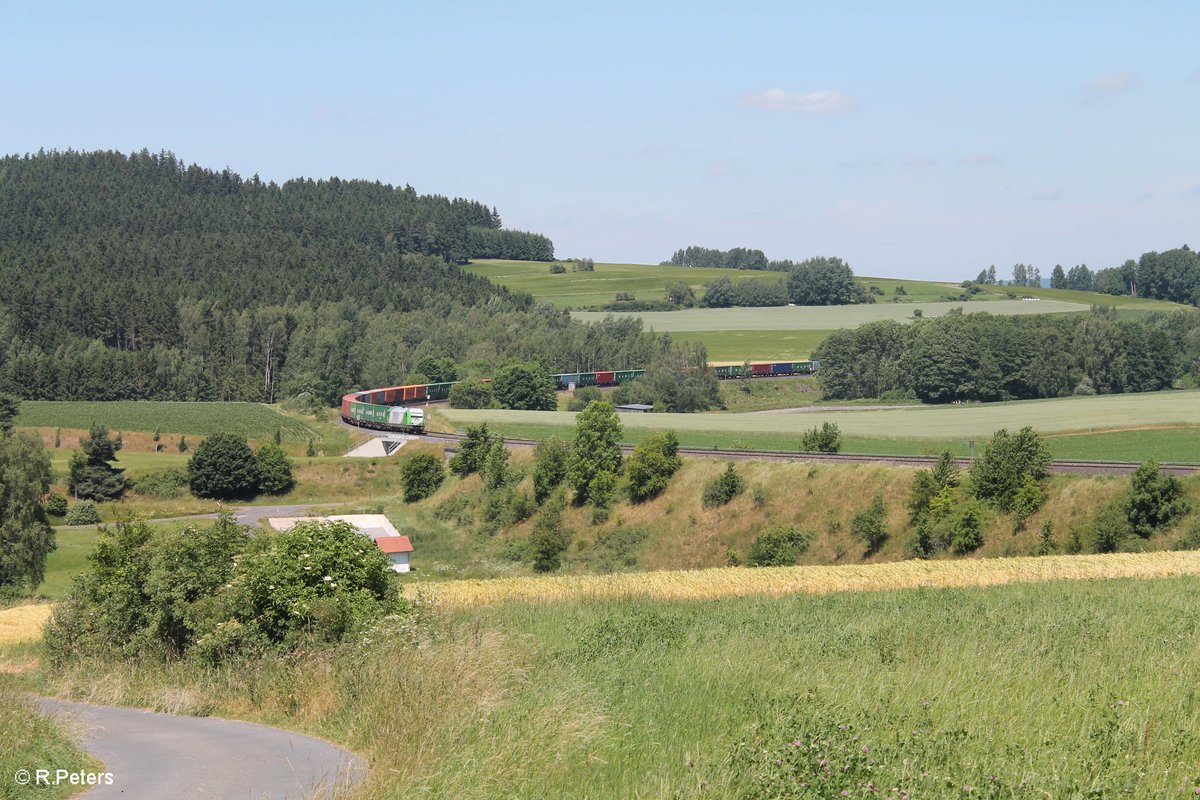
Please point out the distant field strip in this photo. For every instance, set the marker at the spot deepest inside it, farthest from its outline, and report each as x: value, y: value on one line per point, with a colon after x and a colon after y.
x: 739, y: 346
x: 246, y: 419
x: 574, y: 289
x: 822, y: 318
x: 1104, y: 413
x: 740, y: 581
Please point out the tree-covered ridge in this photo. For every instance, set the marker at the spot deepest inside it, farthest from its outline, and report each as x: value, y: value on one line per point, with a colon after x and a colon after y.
x: 137, y: 277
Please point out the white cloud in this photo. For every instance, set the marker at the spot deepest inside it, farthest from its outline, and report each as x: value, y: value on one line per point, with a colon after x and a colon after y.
x: 1054, y: 193
x: 820, y: 102
x: 1111, y: 84
x: 978, y: 159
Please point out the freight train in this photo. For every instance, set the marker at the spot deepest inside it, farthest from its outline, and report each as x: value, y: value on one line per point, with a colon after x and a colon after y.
x: 384, y: 409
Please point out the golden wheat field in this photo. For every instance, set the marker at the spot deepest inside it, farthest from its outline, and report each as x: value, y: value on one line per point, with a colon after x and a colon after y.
x: 739, y: 581
x: 23, y: 623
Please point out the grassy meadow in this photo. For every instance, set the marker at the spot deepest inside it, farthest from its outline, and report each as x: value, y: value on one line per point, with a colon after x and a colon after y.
x: 1045, y: 689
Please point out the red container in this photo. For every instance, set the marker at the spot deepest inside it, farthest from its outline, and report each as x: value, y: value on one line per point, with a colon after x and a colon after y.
x: 605, y: 379
x: 760, y: 369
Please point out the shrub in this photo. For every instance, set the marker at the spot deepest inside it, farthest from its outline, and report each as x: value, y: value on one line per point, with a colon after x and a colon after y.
x: 966, y: 534
x: 56, y: 504
x: 1046, y: 544
x: 83, y: 513
x: 495, y: 466
x: 223, y: 467
x: 1027, y: 499
x: 471, y: 393
x: 422, y: 475
x: 167, y: 483
x: 779, y: 546
x: 1007, y: 460
x: 550, y: 537
x: 758, y: 493
x: 472, y: 451
x: 550, y: 458
x: 825, y: 439
x: 870, y: 524
x: 651, y: 466
x: 583, y: 397
x: 91, y: 476
x: 274, y: 470
x: 557, y: 269
x: 1109, y: 530
x: 597, y: 448
x: 456, y: 508
x: 723, y: 488
x: 216, y: 592
x: 1153, y: 500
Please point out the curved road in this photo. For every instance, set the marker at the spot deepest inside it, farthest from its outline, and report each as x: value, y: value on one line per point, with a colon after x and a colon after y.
x: 156, y: 756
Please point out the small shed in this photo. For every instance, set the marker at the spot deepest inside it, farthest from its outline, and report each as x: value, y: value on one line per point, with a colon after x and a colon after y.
x: 397, y: 548
x: 635, y: 408
x: 376, y: 527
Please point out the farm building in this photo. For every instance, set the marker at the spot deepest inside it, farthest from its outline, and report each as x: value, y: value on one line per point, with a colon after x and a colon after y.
x: 635, y: 408
x: 377, y: 527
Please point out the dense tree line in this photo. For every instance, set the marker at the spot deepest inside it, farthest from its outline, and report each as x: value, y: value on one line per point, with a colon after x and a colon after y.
x: 1171, y: 275
x: 735, y: 258
x: 724, y: 293
x: 137, y: 277
x: 985, y: 357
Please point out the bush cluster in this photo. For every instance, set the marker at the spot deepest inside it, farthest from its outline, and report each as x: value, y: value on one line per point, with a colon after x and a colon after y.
x: 221, y: 591
x: 723, y: 488
x: 225, y: 468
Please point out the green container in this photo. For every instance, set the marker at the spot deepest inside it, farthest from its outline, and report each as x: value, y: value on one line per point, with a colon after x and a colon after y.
x: 439, y: 391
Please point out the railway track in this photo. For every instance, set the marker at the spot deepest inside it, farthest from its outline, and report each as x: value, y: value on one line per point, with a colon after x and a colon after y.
x: 1060, y: 466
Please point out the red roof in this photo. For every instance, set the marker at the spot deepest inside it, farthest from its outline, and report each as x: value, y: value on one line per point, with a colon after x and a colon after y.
x: 394, y: 544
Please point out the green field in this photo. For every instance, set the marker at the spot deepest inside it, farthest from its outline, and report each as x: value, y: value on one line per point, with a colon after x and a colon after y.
x: 246, y: 419
x: 823, y: 318
x: 1099, y: 413
x: 739, y: 346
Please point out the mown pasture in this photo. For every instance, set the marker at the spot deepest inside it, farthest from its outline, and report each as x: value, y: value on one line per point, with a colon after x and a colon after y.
x: 1098, y: 414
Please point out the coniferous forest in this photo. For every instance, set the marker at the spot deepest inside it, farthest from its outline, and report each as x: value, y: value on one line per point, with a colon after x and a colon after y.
x: 140, y: 277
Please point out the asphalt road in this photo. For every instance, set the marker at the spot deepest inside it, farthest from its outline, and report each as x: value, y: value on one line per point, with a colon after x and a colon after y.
x: 155, y: 756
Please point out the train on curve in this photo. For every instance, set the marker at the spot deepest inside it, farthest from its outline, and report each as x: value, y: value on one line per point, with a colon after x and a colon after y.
x: 394, y: 408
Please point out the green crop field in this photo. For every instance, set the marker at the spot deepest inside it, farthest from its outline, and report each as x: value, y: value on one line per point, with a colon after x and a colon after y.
x: 252, y: 420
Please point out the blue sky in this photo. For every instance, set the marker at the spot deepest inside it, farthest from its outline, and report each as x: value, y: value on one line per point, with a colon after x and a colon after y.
x: 912, y: 139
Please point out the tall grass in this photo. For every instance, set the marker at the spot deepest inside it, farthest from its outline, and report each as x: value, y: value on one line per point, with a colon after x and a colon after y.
x: 1061, y: 689
x: 31, y: 740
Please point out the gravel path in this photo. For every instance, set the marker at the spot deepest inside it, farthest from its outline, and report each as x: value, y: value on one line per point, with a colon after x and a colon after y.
x: 156, y: 756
